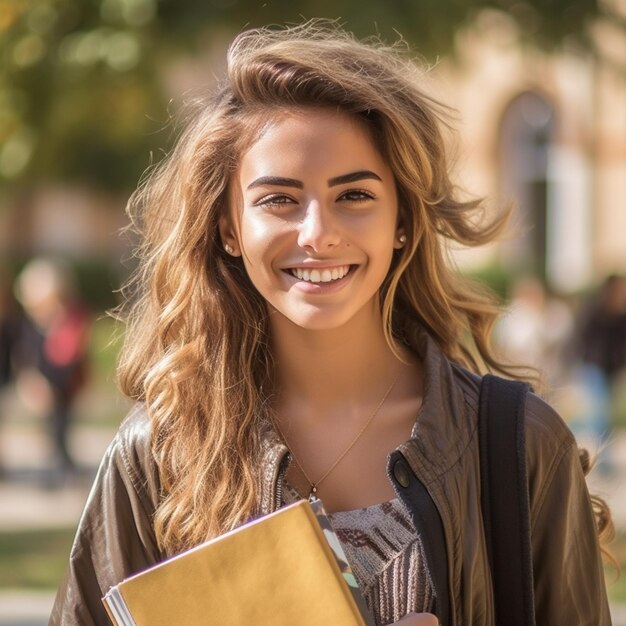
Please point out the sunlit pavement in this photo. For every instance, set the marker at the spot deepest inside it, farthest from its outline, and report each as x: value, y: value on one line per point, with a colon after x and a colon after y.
x: 22, y: 608
x: 28, y: 502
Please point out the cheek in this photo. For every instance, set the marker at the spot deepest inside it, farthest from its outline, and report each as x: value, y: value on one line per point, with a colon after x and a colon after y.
x: 256, y: 235
x: 381, y: 238
x: 381, y: 256
x: 384, y: 257
x: 262, y: 242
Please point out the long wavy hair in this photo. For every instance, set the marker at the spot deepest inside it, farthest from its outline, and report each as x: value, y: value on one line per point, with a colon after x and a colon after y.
x: 197, y: 350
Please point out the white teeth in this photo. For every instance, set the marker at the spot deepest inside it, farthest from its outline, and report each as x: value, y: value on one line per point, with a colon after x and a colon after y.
x: 320, y: 276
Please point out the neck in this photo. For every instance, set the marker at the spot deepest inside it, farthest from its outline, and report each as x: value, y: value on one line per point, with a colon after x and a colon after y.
x: 330, y: 372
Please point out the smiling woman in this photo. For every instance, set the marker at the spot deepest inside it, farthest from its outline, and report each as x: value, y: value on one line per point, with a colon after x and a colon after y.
x: 295, y: 331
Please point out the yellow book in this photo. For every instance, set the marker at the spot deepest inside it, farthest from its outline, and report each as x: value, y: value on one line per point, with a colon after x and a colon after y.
x: 278, y: 570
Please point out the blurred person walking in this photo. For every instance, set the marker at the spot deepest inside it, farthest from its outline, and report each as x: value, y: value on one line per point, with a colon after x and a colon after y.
x: 51, y: 353
x: 535, y: 329
x: 9, y: 321
x: 601, y: 346
x: 8, y: 329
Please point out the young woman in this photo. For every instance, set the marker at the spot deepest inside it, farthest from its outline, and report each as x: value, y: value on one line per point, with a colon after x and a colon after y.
x: 297, y: 331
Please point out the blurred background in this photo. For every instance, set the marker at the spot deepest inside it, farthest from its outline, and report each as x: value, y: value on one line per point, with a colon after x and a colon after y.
x: 88, y: 90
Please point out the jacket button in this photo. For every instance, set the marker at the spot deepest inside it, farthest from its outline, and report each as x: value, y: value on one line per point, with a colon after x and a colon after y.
x: 401, y: 473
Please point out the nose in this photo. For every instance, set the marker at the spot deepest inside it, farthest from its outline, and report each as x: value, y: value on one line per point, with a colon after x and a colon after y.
x: 318, y: 228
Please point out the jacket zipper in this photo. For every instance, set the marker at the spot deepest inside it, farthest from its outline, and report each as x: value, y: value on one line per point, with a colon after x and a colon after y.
x: 282, y: 470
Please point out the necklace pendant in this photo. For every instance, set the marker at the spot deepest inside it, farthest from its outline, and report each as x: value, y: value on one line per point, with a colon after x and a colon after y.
x: 313, y: 494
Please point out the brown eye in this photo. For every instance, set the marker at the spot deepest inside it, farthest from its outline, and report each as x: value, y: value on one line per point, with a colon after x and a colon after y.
x: 273, y: 200
x: 356, y: 195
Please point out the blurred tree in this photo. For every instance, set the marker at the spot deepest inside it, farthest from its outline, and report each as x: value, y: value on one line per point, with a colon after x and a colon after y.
x: 430, y: 25
x: 80, y: 96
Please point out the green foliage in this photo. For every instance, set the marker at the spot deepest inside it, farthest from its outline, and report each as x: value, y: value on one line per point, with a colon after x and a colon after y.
x: 98, y: 283
x: 616, y: 582
x: 80, y: 93
x: 430, y: 25
x: 495, y: 276
x: 34, y: 559
x: 80, y: 80
x: 104, y: 345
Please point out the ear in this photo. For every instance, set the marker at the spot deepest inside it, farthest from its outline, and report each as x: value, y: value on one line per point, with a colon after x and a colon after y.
x: 228, y: 236
x: 400, y: 239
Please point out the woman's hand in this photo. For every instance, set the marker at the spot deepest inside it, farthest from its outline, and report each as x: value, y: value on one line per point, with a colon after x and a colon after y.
x: 419, y: 619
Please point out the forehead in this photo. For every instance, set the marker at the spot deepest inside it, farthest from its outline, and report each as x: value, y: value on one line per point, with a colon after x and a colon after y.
x: 311, y: 139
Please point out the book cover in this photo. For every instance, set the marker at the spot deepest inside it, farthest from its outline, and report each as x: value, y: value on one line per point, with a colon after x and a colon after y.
x: 279, y: 569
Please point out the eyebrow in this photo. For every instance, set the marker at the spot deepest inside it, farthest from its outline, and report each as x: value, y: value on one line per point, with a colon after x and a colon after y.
x: 280, y: 181
x: 277, y: 181
x: 353, y: 177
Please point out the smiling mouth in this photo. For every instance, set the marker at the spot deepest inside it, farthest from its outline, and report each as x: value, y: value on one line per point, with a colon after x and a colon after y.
x: 322, y: 275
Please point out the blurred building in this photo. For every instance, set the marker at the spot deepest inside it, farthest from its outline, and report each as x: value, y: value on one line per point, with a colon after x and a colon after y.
x: 547, y: 131
x: 74, y: 221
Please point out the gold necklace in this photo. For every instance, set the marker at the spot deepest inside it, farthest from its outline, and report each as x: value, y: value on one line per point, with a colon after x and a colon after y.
x: 316, y: 484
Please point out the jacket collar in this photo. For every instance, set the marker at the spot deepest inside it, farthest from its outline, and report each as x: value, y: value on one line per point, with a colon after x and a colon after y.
x: 443, y: 427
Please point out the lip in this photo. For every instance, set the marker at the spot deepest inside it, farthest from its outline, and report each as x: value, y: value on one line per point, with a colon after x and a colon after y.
x: 320, y: 288
x: 316, y: 265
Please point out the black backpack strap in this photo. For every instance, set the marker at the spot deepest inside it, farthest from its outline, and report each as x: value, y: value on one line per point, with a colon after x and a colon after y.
x: 504, y: 499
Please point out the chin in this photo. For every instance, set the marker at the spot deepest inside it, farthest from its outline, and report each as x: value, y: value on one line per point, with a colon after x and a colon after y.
x: 316, y: 320
x: 327, y: 316
x: 320, y: 325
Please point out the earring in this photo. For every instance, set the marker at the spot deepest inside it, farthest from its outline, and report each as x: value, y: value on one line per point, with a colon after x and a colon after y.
x: 402, y: 240
x: 229, y: 248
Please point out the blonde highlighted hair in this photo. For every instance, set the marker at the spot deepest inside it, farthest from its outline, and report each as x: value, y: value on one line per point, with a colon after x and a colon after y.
x: 197, y: 349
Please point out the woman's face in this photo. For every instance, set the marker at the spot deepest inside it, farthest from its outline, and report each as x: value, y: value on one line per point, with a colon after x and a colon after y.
x: 314, y: 215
